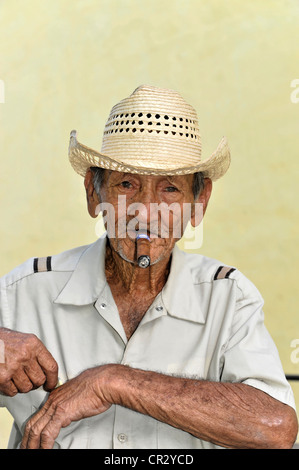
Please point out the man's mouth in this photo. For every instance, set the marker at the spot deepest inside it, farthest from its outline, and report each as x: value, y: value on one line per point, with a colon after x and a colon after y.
x: 134, y: 233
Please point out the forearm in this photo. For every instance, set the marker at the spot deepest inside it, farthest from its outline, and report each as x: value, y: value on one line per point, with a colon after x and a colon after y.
x: 229, y: 415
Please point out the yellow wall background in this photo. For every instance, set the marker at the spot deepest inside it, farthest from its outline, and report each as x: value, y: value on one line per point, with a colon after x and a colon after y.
x: 64, y: 63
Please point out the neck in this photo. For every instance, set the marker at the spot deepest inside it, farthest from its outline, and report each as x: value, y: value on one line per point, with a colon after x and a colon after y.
x: 131, y: 278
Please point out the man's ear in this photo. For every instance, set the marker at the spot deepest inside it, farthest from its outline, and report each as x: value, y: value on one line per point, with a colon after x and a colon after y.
x: 91, y: 195
x: 203, y: 199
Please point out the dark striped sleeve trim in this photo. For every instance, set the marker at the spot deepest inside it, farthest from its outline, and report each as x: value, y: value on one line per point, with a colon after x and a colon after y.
x: 41, y: 265
x: 223, y: 272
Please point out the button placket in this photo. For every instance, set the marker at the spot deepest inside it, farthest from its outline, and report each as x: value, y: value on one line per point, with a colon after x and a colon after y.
x: 130, y: 356
x: 122, y: 426
x: 110, y: 314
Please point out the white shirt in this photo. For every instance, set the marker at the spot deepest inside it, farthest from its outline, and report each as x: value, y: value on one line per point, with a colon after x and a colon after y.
x: 198, y: 326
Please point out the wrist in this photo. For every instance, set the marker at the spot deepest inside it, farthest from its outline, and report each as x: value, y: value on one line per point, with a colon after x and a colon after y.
x: 111, y: 382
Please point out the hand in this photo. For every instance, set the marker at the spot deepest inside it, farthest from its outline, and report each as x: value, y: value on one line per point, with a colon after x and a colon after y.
x: 28, y: 364
x: 78, y: 398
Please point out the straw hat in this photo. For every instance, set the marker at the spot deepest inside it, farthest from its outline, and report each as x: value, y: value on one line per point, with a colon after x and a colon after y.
x: 152, y: 132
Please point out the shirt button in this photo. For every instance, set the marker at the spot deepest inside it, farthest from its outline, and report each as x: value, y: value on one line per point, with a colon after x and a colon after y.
x: 159, y: 308
x: 122, y: 438
x: 103, y: 305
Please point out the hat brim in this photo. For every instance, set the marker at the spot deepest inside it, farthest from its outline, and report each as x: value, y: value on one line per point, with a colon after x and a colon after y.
x: 82, y: 158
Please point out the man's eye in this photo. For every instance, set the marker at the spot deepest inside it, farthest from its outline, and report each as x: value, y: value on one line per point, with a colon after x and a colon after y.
x: 126, y: 184
x: 171, y: 189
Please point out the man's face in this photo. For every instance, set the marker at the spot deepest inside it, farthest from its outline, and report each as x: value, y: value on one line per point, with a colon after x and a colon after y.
x: 161, y: 206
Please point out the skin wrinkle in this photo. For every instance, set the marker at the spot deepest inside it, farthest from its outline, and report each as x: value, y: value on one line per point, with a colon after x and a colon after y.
x: 99, y: 177
x: 238, y: 394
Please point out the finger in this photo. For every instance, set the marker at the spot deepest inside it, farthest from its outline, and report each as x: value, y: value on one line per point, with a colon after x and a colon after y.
x: 42, y: 433
x: 22, y: 382
x: 49, y: 367
x: 9, y: 388
x: 35, y: 374
x: 33, y: 425
x: 50, y: 432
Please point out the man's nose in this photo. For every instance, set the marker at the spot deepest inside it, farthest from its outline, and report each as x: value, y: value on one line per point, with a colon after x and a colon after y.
x: 142, y: 204
x: 147, y: 194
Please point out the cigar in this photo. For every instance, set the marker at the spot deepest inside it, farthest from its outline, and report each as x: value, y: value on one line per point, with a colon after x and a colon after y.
x: 143, y: 250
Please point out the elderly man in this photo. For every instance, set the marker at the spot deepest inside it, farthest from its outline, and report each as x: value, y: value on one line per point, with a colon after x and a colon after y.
x: 103, y: 350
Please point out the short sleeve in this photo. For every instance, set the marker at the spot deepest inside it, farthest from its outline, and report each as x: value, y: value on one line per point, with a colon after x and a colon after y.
x: 251, y: 356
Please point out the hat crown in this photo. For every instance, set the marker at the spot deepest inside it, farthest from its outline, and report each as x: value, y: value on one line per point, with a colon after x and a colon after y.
x: 148, y: 98
x: 153, y: 121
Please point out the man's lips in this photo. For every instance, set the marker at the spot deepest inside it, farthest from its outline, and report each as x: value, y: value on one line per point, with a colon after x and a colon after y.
x: 133, y: 234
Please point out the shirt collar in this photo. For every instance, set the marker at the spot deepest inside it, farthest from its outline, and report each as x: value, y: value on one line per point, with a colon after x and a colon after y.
x: 88, y: 278
x: 86, y: 284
